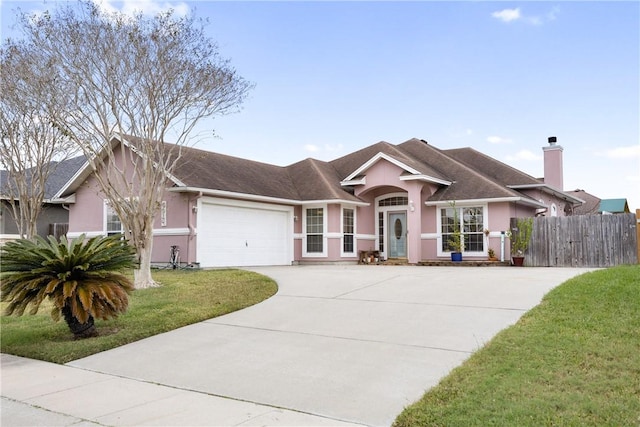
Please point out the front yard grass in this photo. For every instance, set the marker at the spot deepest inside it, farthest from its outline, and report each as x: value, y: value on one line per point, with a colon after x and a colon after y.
x: 574, y: 360
x: 185, y: 297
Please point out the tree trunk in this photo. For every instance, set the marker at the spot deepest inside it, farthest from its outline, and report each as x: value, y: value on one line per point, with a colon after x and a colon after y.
x: 142, y: 275
x: 79, y: 330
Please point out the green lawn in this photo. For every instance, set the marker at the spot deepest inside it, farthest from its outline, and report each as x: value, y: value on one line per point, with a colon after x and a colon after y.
x: 574, y: 360
x: 185, y: 297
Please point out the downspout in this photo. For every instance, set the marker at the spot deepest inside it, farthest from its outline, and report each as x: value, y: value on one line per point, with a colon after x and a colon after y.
x: 190, y: 225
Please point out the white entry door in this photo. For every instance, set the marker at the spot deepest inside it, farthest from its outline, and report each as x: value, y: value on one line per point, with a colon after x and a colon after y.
x: 397, y: 232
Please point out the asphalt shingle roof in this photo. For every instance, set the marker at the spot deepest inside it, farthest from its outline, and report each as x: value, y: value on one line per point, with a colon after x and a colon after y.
x: 471, y: 174
x: 60, y: 173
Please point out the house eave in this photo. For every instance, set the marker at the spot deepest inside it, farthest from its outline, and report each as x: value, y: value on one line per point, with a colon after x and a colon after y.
x: 353, y: 182
x: 63, y: 200
x: 425, y: 178
x: 372, y: 161
x: 549, y: 190
x: 261, y: 198
x: 523, y: 200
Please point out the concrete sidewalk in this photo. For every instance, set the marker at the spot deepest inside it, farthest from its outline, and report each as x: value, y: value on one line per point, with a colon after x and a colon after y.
x: 337, y: 345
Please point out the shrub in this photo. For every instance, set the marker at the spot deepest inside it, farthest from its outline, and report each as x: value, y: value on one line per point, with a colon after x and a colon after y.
x: 82, y: 278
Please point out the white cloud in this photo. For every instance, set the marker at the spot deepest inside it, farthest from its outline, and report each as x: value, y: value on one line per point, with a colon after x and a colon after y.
x: 146, y: 7
x: 622, y: 152
x: 507, y: 15
x: 498, y: 140
x: 311, y: 148
x: 527, y: 155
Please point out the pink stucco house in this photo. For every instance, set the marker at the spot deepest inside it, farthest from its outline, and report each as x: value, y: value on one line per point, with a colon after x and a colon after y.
x: 394, y: 199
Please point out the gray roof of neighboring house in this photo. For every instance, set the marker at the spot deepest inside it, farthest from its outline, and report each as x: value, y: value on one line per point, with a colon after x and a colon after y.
x: 61, y: 172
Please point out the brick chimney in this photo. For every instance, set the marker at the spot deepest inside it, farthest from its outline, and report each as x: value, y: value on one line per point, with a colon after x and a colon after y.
x: 553, y: 175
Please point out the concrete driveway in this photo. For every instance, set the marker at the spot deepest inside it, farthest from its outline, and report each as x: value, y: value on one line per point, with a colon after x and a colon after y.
x: 352, y: 344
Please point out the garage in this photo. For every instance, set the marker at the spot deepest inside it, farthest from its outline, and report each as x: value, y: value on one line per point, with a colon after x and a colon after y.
x: 239, y: 233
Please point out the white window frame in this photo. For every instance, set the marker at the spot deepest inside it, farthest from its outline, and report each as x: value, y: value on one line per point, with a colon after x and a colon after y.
x: 460, y: 206
x: 106, y: 210
x: 343, y: 253
x: 324, y: 231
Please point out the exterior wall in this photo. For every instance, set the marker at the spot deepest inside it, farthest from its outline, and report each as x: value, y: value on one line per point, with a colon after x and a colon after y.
x: 173, y: 227
x: 8, y: 225
x: 86, y: 215
x: 429, y: 241
x: 50, y: 214
x: 555, y: 205
x: 366, y: 232
x: 499, y: 218
x: 297, y: 233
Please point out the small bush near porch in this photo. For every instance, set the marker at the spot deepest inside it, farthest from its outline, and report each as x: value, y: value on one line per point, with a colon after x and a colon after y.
x: 573, y: 360
x: 185, y: 297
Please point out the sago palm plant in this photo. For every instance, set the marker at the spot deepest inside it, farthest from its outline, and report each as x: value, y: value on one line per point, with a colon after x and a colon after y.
x: 82, y: 278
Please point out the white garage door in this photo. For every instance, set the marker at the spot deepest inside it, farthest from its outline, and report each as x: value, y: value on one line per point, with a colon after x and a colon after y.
x: 244, y: 234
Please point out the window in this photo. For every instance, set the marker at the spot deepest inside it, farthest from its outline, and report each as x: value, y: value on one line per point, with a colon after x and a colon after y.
x: 381, y: 231
x: 315, y: 230
x: 113, y: 223
x: 471, y: 222
x: 348, y: 230
x: 394, y: 201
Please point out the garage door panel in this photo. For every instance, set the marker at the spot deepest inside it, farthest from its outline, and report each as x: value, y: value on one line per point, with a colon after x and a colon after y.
x: 243, y: 236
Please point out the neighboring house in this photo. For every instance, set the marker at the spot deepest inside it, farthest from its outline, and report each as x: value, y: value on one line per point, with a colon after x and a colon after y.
x: 595, y: 206
x: 54, y: 217
x: 395, y: 199
x: 613, y: 206
x: 590, y: 206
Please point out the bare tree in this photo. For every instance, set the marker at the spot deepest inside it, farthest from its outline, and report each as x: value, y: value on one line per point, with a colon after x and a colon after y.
x: 145, y: 80
x: 31, y: 146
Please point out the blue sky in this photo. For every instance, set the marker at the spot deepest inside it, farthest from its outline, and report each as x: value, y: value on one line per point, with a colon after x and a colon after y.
x: 500, y: 77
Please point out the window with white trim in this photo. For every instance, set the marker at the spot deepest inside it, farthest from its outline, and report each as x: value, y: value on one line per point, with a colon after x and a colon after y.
x: 348, y: 230
x: 471, y: 222
x: 315, y: 230
x: 113, y: 225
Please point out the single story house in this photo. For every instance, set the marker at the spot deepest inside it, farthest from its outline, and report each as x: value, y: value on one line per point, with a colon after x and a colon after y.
x: 398, y: 200
x: 54, y: 218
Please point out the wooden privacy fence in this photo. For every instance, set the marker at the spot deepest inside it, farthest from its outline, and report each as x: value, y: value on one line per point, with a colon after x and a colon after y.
x: 583, y: 241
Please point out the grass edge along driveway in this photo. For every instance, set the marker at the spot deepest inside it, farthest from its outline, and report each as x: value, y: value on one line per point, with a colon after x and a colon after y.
x: 571, y: 360
x: 185, y: 297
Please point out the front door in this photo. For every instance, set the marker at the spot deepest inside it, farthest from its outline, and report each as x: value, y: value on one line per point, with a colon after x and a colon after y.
x: 397, y: 232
